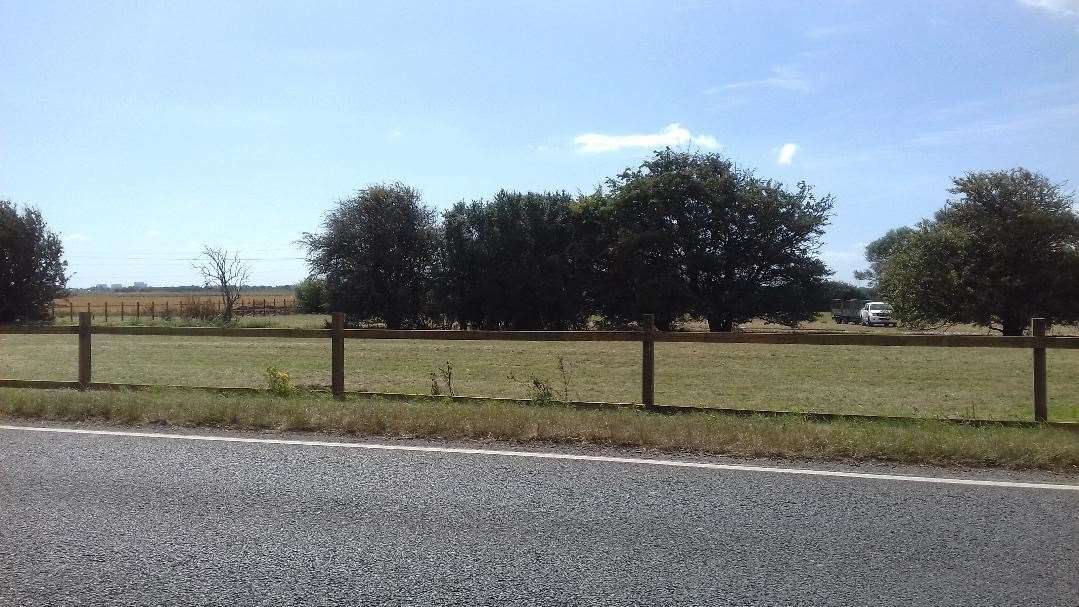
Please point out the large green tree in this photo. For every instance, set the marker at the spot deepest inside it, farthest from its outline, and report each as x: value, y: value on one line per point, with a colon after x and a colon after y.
x: 508, y: 263
x: 377, y: 252
x: 32, y: 267
x: 878, y: 251
x: 1004, y: 249
x: 689, y: 233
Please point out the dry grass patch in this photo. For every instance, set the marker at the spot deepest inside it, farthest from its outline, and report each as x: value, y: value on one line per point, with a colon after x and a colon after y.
x: 919, y: 441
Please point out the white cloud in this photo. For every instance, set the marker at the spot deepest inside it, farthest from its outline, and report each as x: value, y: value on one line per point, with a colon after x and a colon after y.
x: 786, y: 153
x: 1063, y: 8
x: 785, y: 78
x: 673, y: 135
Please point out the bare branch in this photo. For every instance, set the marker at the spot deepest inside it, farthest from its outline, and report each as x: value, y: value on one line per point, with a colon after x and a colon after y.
x: 227, y: 273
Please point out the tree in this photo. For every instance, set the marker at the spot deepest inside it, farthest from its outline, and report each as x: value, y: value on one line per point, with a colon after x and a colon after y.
x: 1005, y: 249
x: 311, y: 295
x: 508, y: 263
x: 878, y: 251
x: 377, y: 253
x: 32, y: 267
x: 226, y: 273
x: 693, y: 234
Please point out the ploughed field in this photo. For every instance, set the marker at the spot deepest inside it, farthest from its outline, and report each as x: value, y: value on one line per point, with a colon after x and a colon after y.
x: 924, y: 382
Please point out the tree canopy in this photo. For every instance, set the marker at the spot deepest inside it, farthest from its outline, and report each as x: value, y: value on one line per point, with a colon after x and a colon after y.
x: 693, y: 234
x: 878, y: 251
x: 32, y: 267
x: 1003, y: 250
x: 377, y: 252
x: 508, y: 263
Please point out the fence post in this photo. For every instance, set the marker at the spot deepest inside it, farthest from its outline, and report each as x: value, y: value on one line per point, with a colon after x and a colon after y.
x: 138, y: 310
x: 71, y: 311
x: 84, y: 350
x: 153, y: 310
x: 648, y: 361
x: 337, y: 356
x: 106, y: 312
x: 1041, y: 387
x: 121, y: 310
x: 52, y: 310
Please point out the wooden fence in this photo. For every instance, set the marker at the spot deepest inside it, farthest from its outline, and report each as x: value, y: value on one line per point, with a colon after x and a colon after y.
x: 137, y: 310
x: 648, y: 336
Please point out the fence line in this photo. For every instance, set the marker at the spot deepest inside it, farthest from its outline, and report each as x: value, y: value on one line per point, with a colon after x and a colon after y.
x: 648, y: 336
x: 245, y: 306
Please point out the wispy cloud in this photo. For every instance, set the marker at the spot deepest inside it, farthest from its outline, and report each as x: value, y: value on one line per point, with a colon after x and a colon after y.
x: 786, y: 153
x: 782, y: 77
x: 986, y: 128
x: 673, y: 135
x: 1061, y: 8
x: 824, y: 32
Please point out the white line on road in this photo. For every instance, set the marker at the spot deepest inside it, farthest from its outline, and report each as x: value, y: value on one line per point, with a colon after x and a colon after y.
x: 547, y: 455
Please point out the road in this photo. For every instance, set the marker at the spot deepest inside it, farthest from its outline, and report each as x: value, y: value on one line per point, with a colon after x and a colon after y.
x: 135, y: 520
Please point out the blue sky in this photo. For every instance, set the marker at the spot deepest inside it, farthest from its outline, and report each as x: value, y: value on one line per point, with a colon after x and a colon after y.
x: 144, y: 130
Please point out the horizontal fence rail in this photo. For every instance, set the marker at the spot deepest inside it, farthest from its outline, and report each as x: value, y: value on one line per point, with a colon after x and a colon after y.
x: 791, y: 338
x: 1038, y: 343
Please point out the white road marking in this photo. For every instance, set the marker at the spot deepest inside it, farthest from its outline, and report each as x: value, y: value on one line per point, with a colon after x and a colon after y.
x: 548, y: 455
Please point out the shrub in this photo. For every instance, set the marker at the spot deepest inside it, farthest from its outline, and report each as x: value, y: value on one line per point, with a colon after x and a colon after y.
x: 194, y: 308
x: 279, y: 382
x: 311, y: 296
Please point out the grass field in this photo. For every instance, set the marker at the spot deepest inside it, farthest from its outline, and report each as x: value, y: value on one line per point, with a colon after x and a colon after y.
x: 920, y: 382
x: 912, y: 441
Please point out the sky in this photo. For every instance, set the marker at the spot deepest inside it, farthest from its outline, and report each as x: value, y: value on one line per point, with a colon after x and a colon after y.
x: 144, y: 130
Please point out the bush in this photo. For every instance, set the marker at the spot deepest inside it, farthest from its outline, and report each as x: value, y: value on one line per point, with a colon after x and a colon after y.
x: 311, y: 296
x: 194, y: 308
x: 279, y: 382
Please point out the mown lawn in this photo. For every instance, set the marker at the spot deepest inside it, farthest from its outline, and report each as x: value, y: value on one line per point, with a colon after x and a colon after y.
x: 923, y: 382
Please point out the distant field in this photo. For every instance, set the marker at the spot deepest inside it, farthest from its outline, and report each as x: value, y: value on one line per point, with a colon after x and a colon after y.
x: 143, y: 300
x: 927, y: 382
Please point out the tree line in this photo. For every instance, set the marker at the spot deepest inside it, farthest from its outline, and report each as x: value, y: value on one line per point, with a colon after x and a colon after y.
x: 684, y: 235
x: 1004, y: 249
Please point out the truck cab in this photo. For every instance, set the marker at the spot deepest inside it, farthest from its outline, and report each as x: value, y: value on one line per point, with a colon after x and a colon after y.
x: 877, y: 313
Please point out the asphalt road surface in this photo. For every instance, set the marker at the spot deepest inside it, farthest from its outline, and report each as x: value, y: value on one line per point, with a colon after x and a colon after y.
x: 96, y: 519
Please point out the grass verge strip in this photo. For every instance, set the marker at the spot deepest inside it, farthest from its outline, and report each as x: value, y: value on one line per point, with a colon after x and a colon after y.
x: 912, y: 441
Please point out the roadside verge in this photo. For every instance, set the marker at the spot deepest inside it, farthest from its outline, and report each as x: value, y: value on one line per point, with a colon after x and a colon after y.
x: 910, y: 441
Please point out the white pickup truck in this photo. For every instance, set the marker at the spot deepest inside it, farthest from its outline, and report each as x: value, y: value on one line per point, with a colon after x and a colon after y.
x: 877, y: 313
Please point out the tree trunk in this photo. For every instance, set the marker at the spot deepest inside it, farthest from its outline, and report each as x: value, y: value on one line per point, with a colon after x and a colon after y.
x: 720, y: 323
x: 1013, y: 326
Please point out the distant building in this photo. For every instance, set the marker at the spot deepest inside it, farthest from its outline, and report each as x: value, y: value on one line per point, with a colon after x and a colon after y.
x: 116, y: 286
x: 100, y: 287
x: 139, y: 285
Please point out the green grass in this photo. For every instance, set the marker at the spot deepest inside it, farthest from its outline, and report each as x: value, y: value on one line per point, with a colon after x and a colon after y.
x: 929, y: 442
x: 921, y: 382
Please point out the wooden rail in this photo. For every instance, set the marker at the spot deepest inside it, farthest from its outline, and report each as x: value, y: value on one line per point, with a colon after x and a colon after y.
x: 1038, y: 343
